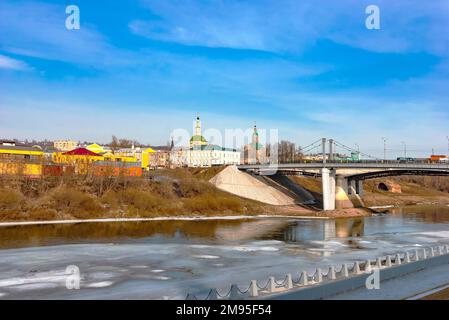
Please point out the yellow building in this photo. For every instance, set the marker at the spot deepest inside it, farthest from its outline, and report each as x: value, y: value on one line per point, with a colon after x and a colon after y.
x: 141, y: 155
x: 96, y: 148
x: 21, y: 160
x: 109, y: 156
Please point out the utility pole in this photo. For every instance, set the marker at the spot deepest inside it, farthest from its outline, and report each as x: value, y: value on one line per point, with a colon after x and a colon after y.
x: 385, y: 147
x: 405, y: 149
x: 447, y: 137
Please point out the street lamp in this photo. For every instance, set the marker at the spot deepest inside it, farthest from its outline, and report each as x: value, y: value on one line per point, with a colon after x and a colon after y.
x: 447, y: 137
x: 385, y: 147
x: 405, y: 149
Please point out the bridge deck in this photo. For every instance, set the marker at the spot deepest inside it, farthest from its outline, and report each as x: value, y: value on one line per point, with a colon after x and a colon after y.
x: 348, y: 165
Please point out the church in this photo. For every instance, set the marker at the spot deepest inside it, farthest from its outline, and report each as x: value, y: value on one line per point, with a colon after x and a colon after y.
x: 202, y: 154
x: 254, y: 152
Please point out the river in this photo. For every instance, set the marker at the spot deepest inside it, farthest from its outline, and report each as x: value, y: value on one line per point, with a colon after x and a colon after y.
x: 168, y: 259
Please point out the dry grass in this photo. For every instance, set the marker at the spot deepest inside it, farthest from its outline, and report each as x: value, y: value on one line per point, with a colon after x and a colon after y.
x: 208, y: 203
x: 166, y: 192
x: 10, y: 199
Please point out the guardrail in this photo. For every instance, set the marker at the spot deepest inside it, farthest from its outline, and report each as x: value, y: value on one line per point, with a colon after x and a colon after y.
x: 406, y: 262
x: 361, y: 164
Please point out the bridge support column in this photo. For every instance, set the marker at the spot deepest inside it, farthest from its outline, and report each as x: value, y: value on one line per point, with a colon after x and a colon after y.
x: 360, y: 190
x: 328, y: 182
x: 342, y: 200
x: 356, y: 192
x: 352, y: 187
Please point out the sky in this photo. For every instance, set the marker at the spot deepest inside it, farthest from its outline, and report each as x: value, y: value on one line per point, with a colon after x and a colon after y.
x: 140, y: 69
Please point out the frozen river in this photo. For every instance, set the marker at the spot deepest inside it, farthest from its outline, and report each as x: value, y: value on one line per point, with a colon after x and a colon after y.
x: 168, y: 259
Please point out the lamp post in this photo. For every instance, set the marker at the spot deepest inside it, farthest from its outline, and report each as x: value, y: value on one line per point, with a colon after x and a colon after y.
x: 405, y: 149
x: 447, y: 137
x: 385, y: 147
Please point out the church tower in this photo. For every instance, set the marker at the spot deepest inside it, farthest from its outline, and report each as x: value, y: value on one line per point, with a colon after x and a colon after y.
x: 198, y: 126
x: 197, y: 140
x: 255, y: 138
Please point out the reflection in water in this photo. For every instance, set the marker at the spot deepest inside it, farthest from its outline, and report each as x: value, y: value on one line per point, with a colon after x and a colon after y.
x: 40, y: 235
x: 297, y: 231
x: 424, y: 213
x: 217, y: 231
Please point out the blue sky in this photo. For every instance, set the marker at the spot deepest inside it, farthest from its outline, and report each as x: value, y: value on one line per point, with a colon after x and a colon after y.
x: 141, y: 68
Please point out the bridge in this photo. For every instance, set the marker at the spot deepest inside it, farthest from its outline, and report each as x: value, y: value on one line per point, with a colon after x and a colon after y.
x: 342, y: 181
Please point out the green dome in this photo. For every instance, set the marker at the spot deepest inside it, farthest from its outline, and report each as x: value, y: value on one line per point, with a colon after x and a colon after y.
x: 198, y: 138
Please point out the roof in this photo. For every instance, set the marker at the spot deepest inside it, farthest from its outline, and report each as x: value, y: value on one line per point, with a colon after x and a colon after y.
x: 212, y: 147
x: 81, y: 152
x: 95, y: 147
x: 198, y: 138
x: 19, y: 148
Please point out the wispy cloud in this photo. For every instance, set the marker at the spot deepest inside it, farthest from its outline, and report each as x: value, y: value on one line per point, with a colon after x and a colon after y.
x: 37, y: 29
x: 13, y: 64
x: 289, y: 25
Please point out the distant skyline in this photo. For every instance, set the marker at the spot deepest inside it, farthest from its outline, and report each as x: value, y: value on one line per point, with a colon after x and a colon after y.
x: 141, y: 68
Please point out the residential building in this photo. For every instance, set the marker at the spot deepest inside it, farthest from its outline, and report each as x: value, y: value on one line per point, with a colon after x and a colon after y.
x: 142, y: 155
x: 85, y: 161
x: 65, y: 145
x: 18, y: 160
x: 159, y: 159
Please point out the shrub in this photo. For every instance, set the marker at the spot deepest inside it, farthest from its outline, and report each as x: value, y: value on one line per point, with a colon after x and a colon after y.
x: 141, y: 200
x: 74, y: 201
x: 10, y: 199
x: 209, y: 204
x: 190, y: 188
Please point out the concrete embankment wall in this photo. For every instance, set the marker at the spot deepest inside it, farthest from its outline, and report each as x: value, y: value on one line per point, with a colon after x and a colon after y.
x: 330, y: 289
x: 245, y: 185
x: 424, y: 265
x: 275, y: 189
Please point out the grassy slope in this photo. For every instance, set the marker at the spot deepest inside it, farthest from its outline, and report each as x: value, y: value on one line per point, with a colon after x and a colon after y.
x: 164, y: 193
x: 414, y: 190
x: 169, y: 192
x: 412, y: 193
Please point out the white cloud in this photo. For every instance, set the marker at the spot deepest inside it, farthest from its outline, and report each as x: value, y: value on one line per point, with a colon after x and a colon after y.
x: 13, y: 64
x: 39, y: 30
x: 290, y: 25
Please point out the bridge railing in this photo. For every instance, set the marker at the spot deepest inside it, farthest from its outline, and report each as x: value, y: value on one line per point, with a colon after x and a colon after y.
x: 360, y: 163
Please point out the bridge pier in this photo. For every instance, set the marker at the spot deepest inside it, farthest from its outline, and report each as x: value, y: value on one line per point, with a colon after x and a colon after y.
x: 356, y: 192
x: 360, y: 190
x: 339, y: 192
x: 328, y: 183
x: 342, y: 200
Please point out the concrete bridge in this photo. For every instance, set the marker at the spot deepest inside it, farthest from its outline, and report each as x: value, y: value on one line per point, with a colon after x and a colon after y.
x: 342, y: 182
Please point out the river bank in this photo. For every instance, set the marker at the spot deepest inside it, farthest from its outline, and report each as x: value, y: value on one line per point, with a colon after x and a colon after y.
x: 166, y: 193
x: 171, y: 193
